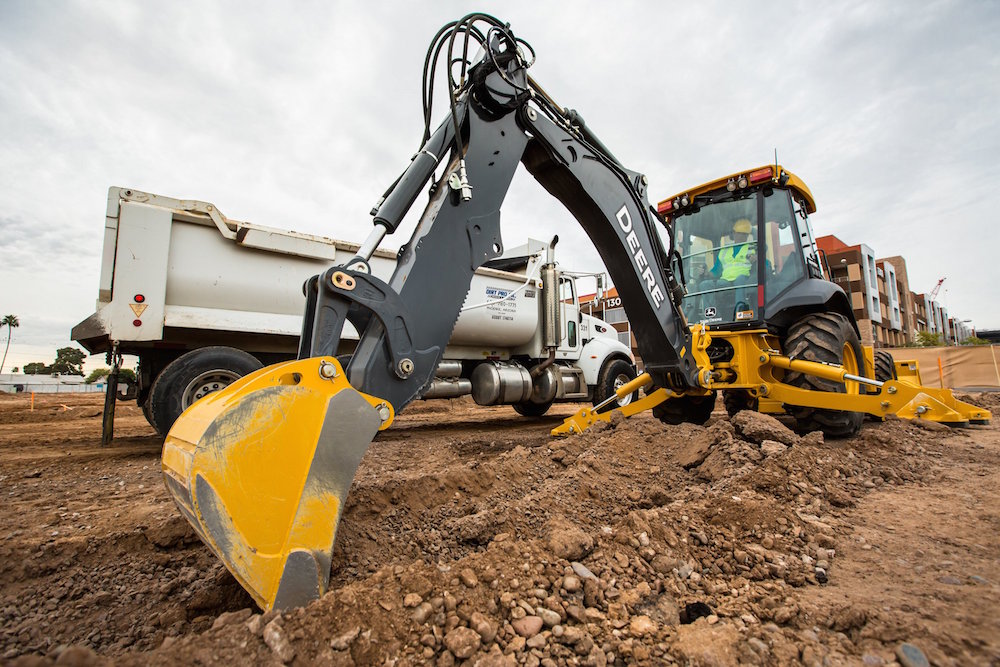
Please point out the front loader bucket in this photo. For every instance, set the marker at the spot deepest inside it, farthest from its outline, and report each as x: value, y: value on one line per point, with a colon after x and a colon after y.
x: 261, y: 470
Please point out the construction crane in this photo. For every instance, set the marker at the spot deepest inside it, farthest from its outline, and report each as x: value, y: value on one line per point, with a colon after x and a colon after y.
x: 937, y: 288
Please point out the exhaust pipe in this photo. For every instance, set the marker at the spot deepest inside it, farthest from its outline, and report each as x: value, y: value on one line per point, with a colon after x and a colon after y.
x: 448, y: 381
x: 551, y: 310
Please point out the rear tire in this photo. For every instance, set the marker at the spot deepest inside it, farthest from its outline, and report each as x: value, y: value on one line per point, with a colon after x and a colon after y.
x: 826, y: 338
x: 885, y: 366
x: 738, y: 400
x: 192, y: 376
x: 615, y: 374
x: 147, y: 413
x: 529, y: 409
x: 686, y: 409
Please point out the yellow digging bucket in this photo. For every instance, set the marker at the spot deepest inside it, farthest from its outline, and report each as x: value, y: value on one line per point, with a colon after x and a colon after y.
x: 262, y: 467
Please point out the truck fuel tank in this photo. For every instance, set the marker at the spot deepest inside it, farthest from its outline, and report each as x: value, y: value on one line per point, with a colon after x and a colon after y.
x: 499, y: 383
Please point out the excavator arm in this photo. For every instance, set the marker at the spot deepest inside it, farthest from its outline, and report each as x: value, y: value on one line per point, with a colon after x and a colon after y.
x: 261, y: 469
x: 457, y: 233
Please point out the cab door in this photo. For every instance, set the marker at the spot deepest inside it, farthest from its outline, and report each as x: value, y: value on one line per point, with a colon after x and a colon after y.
x: 569, y: 344
x: 784, y: 261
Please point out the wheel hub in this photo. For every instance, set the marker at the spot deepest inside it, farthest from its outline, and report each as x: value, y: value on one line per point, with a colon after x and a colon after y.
x: 620, y: 381
x: 207, y: 383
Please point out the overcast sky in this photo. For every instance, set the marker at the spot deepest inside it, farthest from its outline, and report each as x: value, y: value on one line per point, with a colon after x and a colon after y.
x: 297, y: 115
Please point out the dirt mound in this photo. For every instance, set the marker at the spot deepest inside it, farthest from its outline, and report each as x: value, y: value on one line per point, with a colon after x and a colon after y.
x: 987, y: 399
x: 470, y: 536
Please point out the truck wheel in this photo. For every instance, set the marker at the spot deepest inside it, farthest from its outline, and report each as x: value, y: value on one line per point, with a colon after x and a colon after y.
x: 193, y: 375
x: 739, y: 400
x: 686, y: 409
x: 885, y: 366
x: 615, y: 374
x: 529, y: 409
x: 826, y: 338
x: 148, y: 413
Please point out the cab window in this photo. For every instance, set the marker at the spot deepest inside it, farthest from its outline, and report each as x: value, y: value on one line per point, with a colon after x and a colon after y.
x: 717, y: 245
x: 567, y: 295
x: 784, y: 256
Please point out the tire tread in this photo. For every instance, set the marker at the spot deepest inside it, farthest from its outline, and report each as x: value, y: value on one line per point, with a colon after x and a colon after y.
x: 820, y: 337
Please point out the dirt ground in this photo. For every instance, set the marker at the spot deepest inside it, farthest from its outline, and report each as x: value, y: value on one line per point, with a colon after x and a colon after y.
x: 472, y: 537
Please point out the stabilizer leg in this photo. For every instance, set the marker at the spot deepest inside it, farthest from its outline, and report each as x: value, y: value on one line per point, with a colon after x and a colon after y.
x: 587, y: 417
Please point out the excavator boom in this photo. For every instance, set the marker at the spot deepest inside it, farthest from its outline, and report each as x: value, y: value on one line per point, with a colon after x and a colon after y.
x: 261, y: 469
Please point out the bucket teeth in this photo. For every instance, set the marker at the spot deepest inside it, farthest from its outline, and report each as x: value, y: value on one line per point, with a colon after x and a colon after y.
x: 261, y: 470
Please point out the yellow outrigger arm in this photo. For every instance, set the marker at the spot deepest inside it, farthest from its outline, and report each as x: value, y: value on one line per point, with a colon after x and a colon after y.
x: 261, y: 470
x: 894, y: 397
x: 587, y: 417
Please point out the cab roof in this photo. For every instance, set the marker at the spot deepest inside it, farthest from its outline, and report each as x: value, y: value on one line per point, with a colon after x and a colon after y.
x: 774, y: 173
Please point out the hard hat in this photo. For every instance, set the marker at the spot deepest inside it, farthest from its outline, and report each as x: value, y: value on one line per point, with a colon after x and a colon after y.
x: 741, y: 226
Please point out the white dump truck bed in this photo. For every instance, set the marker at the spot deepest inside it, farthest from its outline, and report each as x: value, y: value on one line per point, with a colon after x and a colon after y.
x: 178, y: 273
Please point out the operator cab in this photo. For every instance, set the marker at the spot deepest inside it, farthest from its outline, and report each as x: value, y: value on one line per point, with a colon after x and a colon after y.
x: 743, y: 241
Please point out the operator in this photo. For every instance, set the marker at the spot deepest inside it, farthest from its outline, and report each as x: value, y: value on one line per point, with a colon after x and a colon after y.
x: 734, y: 266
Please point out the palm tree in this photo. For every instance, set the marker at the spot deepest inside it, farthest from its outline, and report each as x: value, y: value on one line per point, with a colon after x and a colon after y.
x: 11, y: 322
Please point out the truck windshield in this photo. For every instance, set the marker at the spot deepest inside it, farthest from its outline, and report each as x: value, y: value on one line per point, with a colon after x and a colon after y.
x: 718, y: 247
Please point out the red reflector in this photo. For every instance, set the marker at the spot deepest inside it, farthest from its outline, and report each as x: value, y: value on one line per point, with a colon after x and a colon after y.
x: 761, y: 175
x: 665, y: 207
x: 137, y: 323
x: 760, y: 296
x: 139, y: 298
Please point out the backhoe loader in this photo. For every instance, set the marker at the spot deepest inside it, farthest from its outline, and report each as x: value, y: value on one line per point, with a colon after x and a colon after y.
x: 779, y: 335
x: 261, y: 468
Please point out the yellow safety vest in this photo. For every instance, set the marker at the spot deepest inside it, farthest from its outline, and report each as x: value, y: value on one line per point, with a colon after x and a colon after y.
x: 735, y: 263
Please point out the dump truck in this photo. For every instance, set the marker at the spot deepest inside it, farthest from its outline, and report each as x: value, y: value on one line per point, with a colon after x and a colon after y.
x: 202, y: 300
x: 261, y: 468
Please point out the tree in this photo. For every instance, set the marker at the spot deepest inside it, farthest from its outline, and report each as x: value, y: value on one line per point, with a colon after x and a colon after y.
x: 125, y: 375
x: 928, y: 339
x: 11, y: 322
x: 35, y: 368
x: 97, y: 374
x: 14, y: 370
x: 69, y: 361
x: 971, y: 340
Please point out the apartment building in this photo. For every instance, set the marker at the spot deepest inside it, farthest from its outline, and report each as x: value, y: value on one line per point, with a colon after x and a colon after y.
x: 874, y: 297
x: 889, y: 313
x: 961, y: 331
x: 907, y: 301
x: 920, y: 313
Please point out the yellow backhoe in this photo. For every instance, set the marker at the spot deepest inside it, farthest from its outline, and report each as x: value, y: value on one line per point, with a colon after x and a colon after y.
x: 779, y: 337
x: 261, y: 468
